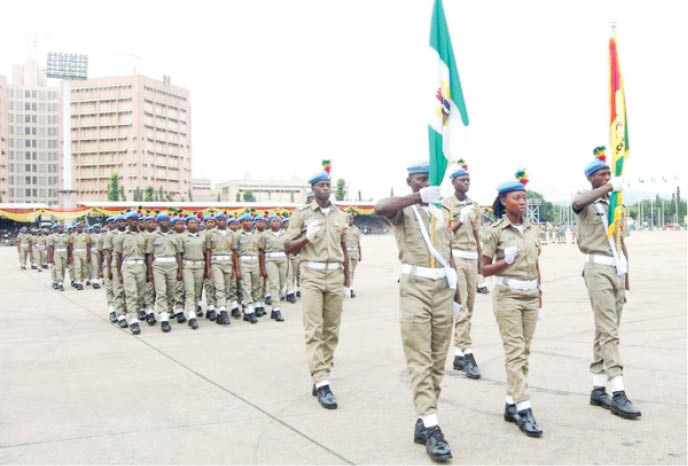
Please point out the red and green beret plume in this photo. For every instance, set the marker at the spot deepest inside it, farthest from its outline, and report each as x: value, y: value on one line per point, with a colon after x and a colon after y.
x: 462, y: 163
x: 522, y: 176
x: 327, y: 165
x: 599, y: 152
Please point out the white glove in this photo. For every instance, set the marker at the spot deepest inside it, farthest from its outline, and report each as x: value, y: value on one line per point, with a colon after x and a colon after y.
x: 347, y: 292
x: 510, y: 254
x: 540, y: 315
x: 312, y: 230
x: 430, y: 195
x: 617, y: 183
x: 465, y: 213
x: 456, y: 308
x: 627, y: 296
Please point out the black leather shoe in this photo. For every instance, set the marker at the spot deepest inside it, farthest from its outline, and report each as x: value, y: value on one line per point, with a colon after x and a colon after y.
x: 298, y: 294
x: 622, y: 406
x: 142, y: 315
x: 113, y: 317
x: 79, y: 286
x: 223, y: 318
x: 436, y: 446
x: 193, y: 324
x: 510, y: 414
x: 96, y: 286
x: 526, y: 422
x: 40, y: 270
x: 180, y: 318
x: 459, y: 363
x: 54, y: 286
x: 123, y: 323
x: 88, y: 282
x: 199, y: 310
x: 135, y: 329
x: 420, y: 433
x: 599, y: 397
x: 33, y: 267
x: 471, y: 367
x: 72, y: 283
x: 165, y: 326
x: 210, y: 315
x: 60, y: 287
x: 353, y: 295
x: 277, y: 315
x: 268, y: 300
x: 326, y: 397
x: 251, y: 318
x: 291, y: 298
x: 236, y: 313
x: 150, y: 318
x: 259, y: 311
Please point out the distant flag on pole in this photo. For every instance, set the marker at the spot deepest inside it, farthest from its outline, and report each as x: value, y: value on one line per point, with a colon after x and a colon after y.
x: 448, y: 102
x: 618, y: 132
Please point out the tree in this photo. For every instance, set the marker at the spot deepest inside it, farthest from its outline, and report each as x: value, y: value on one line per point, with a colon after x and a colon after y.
x: 238, y: 196
x: 248, y: 196
x: 340, y: 193
x: 169, y: 197
x: 190, y: 196
x: 218, y: 197
x: 138, y: 194
x: 148, y: 195
x: 122, y: 196
x: 161, y: 194
x: 113, y: 188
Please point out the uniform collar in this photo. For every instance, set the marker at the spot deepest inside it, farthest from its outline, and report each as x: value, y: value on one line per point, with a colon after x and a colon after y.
x: 505, y: 223
x: 315, y: 206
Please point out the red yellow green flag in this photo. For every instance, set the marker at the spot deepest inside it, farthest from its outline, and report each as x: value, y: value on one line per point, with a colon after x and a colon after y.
x: 618, y: 133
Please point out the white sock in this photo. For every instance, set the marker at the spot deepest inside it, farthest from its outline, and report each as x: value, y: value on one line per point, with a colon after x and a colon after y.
x: 275, y: 309
x: 468, y: 351
x: 234, y: 305
x: 616, y: 383
x: 429, y: 420
x: 599, y: 380
x: 164, y: 316
x: 510, y: 400
x: 523, y: 405
x: 458, y: 352
x: 134, y: 321
x: 322, y: 383
x: 249, y: 310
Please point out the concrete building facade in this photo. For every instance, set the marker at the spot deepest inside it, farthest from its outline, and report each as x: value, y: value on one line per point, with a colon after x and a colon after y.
x: 262, y: 190
x: 30, y: 137
x: 134, y: 126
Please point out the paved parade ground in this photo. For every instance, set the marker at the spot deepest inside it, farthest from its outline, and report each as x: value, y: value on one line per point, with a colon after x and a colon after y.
x: 76, y: 389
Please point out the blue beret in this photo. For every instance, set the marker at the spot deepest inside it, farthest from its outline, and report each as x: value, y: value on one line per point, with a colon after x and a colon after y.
x: 163, y: 216
x: 110, y: 219
x: 273, y: 217
x: 244, y: 217
x: 319, y: 176
x: 147, y: 218
x: 594, y: 166
x: 192, y: 217
x: 285, y: 220
x: 132, y: 216
x: 259, y: 218
x: 96, y: 225
x: 174, y: 220
x: 418, y: 167
x: 220, y: 216
x: 460, y: 172
x: 232, y: 220
x: 207, y: 217
x: 509, y: 186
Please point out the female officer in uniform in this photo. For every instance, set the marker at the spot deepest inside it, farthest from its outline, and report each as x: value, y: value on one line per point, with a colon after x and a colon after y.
x: 510, y: 252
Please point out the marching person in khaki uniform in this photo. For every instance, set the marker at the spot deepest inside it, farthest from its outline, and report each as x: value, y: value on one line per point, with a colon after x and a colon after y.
x: 39, y: 249
x: 353, y: 247
x: 79, y: 255
x: 249, y: 252
x: 510, y: 252
x: 96, y: 245
x: 275, y: 264
x: 70, y: 230
x: 233, y: 294
x: 178, y: 226
x: 148, y: 227
x: 291, y: 268
x: 606, y: 278
x: 259, y: 223
x: 131, y: 263
x: 103, y: 272
x: 206, y: 227
x: 23, y: 240
x: 464, y: 214
x: 114, y: 237
x: 58, y: 246
x: 49, y: 240
x: 426, y: 289
x: 191, y: 256
x: 220, y: 266
x: 316, y: 234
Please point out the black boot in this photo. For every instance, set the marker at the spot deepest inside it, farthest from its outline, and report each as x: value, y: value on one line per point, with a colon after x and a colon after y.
x: 223, y: 318
x: 510, y: 414
x: 259, y: 311
x: 150, y: 318
x: 622, y: 406
x: 180, y: 318
x: 250, y: 318
x: 277, y: 315
x: 123, y: 323
x: 54, y: 285
x: 210, y: 315
x: 471, y: 368
x: 291, y: 298
x: 325, y: 397
x: 199, y: 311
x: 459, y: 363
x: 113, y: 317
x: 142, y: 315
x: 353, y: 295
x: 268, y: 300
x: 60, y: 287
x: 298, y: 294
x: 88, y: 282
x: 236, y: 313
x: 436, y: 446
x: 96, y: 286
x: 165, y: 326
x: 526, y: 422
x: 193, y: 324
x: 599, y: 397
x: 420, y: 433
x: 135, y: 329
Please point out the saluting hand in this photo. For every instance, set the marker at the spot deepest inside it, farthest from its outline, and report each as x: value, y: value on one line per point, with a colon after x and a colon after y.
x: 510, y: 254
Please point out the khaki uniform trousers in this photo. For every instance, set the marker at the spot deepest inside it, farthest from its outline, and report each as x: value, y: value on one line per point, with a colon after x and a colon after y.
x: 134, y: 279
x: 353, y: 263
x: 80, y: 261
x: 250, y: 281
x: 119, y: 298
x: 516, y: 316
x: 606, y: 290
x: 165, y: 283
x: 60, y: 260
x: 53, y: 270
x: 93, y: 267
x: 291, y: 274
x: 322, y: 298
x: 38, y: 256
x: 277, y: 278
x: 193, y: 284
x: 149, y: 293
x: 467, y: 272
x: 70, y: 269
x: 222, y: 282
x: 210, y: 294
x: 426, y: 327
x: 23, y: 253
x: 107, y: 286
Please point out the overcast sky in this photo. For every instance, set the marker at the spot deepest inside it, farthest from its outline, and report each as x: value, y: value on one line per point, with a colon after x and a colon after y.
x: 277, y: 86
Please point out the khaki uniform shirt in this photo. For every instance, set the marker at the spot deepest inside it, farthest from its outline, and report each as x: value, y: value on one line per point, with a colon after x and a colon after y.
x: 412, y: 247
x: 132, y: 245
x: 464, y: 237
x: 191, y: 245
x: 96, y: 240
x: 162, y: 244
x: 327, y: 244
x: 40, y: 242
x: 592, y: 237
x: 220, y: 242
x: 79, y: 241
x: 248, y: 243
x: 59, y: 242
x: 502, y: 235
x: 352, y: 237
x: 24, y: 239
x: 273, y: 241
